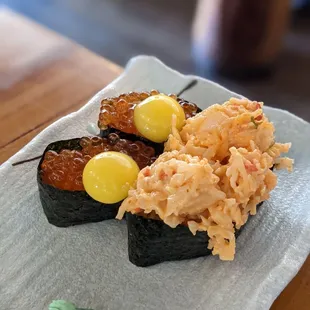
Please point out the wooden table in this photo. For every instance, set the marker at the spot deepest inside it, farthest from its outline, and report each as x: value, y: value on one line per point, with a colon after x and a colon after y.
x: 43, y: 77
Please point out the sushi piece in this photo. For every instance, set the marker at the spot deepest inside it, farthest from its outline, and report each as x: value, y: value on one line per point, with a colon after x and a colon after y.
x: 199, y: 194
x: 59, y: 176
x: 117, y: 114
x: 151, y: 241
x: 63, y: 305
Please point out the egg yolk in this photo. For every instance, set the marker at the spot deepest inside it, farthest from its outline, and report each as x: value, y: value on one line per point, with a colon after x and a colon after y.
x: 152, y: 117
x: 108, y: 176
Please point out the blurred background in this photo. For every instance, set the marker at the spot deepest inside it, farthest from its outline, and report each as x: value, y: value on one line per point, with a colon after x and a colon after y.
x: 260, y: 49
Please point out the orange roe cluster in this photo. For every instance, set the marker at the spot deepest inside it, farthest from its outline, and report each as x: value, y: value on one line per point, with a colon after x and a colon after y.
x: 64, y: 170
x: 117, y: 112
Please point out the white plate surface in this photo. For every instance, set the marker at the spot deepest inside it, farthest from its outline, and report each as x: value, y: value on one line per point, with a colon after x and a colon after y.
x: 88, y: 264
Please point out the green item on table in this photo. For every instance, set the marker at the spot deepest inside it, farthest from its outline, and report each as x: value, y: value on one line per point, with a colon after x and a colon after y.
x: 63, y: 305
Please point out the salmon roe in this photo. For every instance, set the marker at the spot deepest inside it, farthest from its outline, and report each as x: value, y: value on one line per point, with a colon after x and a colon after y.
x: 64, y: 169
x: 117, y: 112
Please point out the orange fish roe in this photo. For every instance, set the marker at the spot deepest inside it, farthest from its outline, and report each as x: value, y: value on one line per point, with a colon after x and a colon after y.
x: 117, y: 112
x: 64, y: 169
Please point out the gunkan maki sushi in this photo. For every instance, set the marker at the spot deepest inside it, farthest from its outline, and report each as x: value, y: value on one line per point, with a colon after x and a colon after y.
x: 198, y: 195
x: 136, y: 112
x: 60, y: 177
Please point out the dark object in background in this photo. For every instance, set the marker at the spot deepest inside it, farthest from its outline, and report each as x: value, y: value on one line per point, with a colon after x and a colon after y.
x: 301, y: 9
x: 65, y: 208
x: 239, y: 38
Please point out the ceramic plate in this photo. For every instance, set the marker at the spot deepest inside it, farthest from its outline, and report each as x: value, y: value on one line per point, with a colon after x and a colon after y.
x: 88, y: 264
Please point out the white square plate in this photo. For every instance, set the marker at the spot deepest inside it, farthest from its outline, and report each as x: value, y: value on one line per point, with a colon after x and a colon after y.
x: 88, y: 264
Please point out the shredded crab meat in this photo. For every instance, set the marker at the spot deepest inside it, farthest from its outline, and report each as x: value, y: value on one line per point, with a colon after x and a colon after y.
x: 213, y: 174
x: 212, y: 132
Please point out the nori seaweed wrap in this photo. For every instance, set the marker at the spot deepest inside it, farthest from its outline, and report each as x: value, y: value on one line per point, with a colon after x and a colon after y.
x: 64, y: 207
x: 151, y: 241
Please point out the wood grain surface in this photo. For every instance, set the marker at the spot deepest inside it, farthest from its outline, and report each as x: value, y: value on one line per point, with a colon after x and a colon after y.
x: 43, y: 77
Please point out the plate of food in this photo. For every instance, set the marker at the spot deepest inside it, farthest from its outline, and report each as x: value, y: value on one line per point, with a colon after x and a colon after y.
x: 185, y: 196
